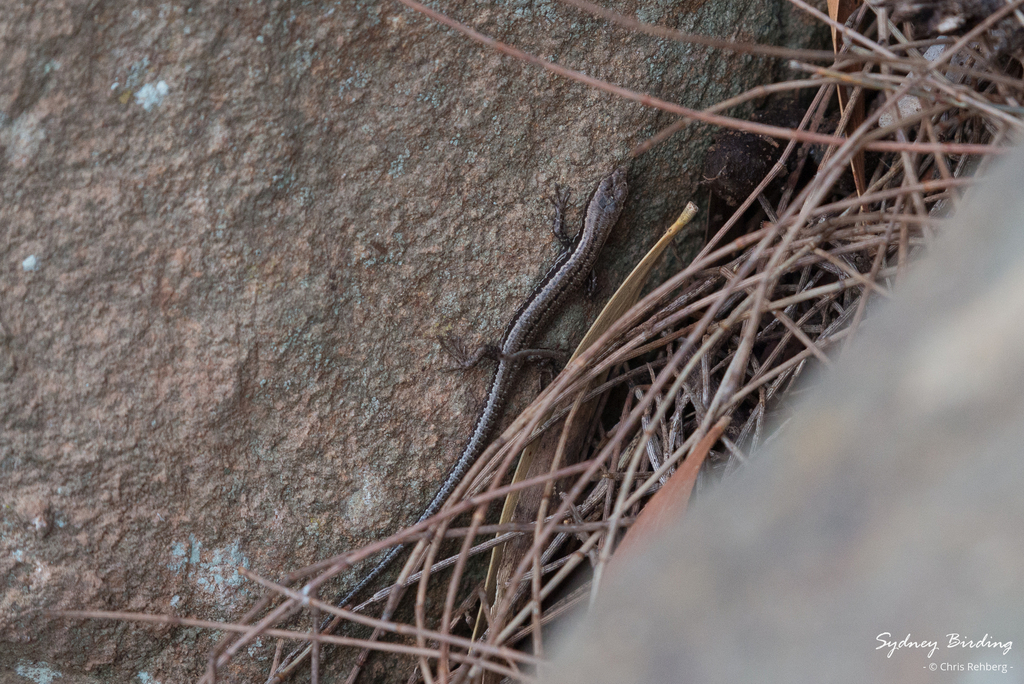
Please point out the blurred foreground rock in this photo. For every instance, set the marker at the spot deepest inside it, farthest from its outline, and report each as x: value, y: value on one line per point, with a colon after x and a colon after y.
x: 892, y: 506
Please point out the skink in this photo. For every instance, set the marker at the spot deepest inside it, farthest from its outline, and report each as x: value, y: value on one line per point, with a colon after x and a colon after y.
x: 566, y: 274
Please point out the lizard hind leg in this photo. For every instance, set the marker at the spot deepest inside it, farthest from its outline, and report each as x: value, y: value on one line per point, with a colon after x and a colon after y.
x: 463, y: 357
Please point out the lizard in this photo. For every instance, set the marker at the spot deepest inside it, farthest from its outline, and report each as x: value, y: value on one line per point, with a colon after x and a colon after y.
x: 566, y: 274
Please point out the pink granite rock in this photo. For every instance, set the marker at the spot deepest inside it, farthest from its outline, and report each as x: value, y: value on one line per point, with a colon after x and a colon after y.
x: 232, y: 233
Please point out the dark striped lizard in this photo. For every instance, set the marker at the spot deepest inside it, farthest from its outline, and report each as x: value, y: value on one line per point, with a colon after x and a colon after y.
x: 567, y: 273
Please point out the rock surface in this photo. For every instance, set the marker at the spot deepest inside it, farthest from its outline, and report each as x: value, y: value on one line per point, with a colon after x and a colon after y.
x: 232, y: 233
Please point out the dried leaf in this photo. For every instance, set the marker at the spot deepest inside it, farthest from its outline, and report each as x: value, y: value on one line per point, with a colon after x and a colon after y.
x: 669, y: 503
